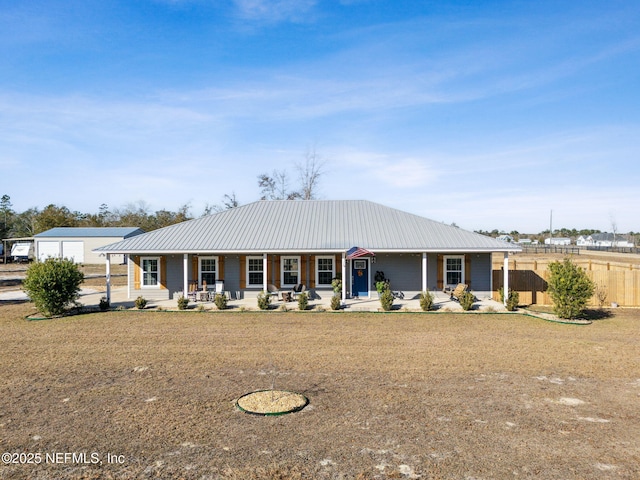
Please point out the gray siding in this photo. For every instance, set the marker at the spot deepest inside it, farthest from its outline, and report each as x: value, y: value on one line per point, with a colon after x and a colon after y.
x: 481, y: 272
x: 404, y: 271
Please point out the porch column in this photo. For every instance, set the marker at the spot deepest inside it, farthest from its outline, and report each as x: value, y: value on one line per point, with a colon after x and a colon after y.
x: 425, y: 287
x: 505, y: 287
x: 344, y: 276
x: 108, y: 275
x: 185, y: 275
x: 265, y: 280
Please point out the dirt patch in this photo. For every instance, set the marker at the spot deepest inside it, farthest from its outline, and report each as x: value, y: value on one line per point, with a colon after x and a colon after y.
x: 152, y: 395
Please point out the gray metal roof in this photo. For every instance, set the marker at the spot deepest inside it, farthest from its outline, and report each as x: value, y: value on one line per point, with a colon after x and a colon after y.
x: 308, y: 226
x: 119, y: 232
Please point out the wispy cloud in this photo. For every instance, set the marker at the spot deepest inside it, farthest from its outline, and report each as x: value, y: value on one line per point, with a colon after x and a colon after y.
x: 274, y: 11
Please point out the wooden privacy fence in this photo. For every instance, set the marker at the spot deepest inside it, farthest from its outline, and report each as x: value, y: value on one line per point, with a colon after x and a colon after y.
x: 616, y: 282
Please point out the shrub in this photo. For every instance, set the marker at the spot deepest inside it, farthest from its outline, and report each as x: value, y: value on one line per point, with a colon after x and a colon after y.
x: 426, y: 301
x: 53, y: 285
x: 336, y: 302
x: 336, y: 285
x: 182, y: 302
x: 221, y: 301
x: 140, y: 302
x: 466, y: 300
x: 570, y: 288
x: 513, y: 300
x: 386, y: 300
x: 264, y: 300
x: 303, y: 301
x: 104, y: 304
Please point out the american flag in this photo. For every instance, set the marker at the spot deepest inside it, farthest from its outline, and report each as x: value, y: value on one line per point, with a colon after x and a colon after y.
x: 355, y: 252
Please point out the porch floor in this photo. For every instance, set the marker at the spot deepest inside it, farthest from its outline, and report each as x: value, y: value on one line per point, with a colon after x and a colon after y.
x: 411, y: 302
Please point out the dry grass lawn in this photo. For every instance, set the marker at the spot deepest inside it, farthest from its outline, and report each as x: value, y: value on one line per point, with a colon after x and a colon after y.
x: 442, y: 396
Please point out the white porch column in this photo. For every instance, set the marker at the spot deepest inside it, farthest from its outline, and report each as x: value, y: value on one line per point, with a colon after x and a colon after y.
x: 185, y: 275
x: 505, y: 283
x: 425, y: 287
x: 264, y: 272
x: 344, y: 276
x: 108, y: 275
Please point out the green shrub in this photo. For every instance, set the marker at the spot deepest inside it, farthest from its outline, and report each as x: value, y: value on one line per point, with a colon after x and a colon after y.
x: 426, y: 301
x: 512, y: 301
x: 303, y: 301
x: 336, y: 302
x: 264, y: 300
x: 53, y: 284
x: 182, y: 302
x: 466, y: 300
x: 386, y: 300
x: 221, y: 301
x: 141, y: 302
x: 570, y: 288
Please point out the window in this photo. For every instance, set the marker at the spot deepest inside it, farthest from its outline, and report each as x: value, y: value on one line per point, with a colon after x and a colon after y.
x: 454, y: 269
x: 208, y: 270
x: 290, y: 270
x: 255, y: 270
x: 150, y: 272
x: 325, y: 270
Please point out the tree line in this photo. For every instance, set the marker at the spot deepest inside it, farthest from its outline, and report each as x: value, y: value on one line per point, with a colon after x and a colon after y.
x: 276, y: 185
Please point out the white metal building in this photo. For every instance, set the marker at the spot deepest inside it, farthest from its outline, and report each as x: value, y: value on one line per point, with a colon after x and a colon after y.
x: 78, y: 243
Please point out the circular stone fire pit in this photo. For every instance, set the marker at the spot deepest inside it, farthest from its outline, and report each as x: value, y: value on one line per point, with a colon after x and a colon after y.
x: 271, y: 402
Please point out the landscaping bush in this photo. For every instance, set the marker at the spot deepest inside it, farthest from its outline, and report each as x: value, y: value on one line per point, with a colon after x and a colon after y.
x: 303, y: 301
x: 336, y: 302
x: 386, y: 300
x: 182, y: 302
x: 466, y: 300
x: 264, y: 300
x: 570, y: 288
x: 426, y: 301
x: 221, y: 301
x: 53, y: 284
x: 141, y: 302
x: 513, y: 300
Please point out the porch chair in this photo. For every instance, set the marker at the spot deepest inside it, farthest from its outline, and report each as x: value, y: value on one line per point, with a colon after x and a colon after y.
x: 273, y: 290
x: 298, y: 289
x: 459, y: 290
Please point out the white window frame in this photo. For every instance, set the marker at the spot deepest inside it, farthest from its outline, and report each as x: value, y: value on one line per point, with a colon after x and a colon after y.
x: 200, y: 270
x: 258, y: 259
x: 142, y: 273
x: 282, y: 270
x: 333, y: 269
x: 445, y: 270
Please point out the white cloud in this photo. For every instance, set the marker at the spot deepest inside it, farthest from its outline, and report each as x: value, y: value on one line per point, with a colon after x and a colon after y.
x: 272, y: 11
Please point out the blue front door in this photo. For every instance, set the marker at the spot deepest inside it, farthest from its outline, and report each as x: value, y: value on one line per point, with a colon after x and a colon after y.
x: 360, y: 276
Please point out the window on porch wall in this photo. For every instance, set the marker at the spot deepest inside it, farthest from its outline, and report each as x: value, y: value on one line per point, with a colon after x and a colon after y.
x: 208, y: 271
x: 150, y: 272
x: 454, y: 270
x: 290, y: 271
x: 325, y: 271
x: 255, y: 271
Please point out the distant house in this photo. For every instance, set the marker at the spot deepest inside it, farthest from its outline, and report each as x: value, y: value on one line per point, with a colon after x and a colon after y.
x: 506, y: 238
x: 290, y: 243
x: 603, y: 240
x: 78, y: 243
x: 557, y: 241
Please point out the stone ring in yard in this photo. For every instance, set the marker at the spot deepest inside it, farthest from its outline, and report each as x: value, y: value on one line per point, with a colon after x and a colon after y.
x: 271, y: 402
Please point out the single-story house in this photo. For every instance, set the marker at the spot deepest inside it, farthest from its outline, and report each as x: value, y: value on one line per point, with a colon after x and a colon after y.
x: 287, y: 243
x: 603, y: 240
x: 79, y: 243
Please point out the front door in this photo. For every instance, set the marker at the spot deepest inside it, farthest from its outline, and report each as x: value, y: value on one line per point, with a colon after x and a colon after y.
x: 360, y: 277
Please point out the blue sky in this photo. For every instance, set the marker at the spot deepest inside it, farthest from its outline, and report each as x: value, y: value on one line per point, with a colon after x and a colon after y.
x: 489, y: 114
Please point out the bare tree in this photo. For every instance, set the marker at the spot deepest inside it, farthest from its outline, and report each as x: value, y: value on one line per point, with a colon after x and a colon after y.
x: 309, y: 174
x: 276, y: 186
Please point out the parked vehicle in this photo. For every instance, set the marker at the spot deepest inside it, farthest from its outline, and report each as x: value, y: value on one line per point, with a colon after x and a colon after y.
x: 22, y: 252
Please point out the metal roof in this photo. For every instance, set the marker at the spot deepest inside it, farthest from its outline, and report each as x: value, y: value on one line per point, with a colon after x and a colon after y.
x: 308, y: 226
x: 66, y: 232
